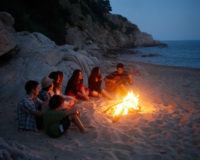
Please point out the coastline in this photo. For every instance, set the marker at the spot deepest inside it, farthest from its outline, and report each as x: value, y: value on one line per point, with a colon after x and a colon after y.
x: 163, y: 66
x: 178, y: 53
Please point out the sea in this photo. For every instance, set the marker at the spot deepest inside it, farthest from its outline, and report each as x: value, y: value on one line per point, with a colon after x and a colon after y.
x: 185, y: 53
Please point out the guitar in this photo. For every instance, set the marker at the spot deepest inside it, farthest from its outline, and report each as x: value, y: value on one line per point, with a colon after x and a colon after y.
x: 112, y: 84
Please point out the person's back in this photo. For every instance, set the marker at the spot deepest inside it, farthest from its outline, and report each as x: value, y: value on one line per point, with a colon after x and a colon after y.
x: 52, y: 120
x: 56, y: 118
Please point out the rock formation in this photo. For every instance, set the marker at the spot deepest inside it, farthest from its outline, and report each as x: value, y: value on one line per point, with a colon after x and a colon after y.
x: 79, y: 22
x: 7, y: 40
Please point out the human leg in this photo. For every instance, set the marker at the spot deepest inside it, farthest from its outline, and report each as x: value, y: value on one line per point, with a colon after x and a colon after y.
x: 76, y: 120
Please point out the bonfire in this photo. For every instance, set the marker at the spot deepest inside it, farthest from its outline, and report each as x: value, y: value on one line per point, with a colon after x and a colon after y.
x: 129, y: 103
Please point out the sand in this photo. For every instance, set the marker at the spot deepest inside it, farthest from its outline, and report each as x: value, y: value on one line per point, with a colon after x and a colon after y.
x: 167, y: 127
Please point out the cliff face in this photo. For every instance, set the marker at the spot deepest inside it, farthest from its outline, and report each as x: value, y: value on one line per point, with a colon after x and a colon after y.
x: 79, y: 22
x: 89, y: 29
x: 7, y: 40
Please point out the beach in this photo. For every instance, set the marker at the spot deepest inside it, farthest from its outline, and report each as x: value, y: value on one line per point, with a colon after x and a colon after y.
x: 167, y: 127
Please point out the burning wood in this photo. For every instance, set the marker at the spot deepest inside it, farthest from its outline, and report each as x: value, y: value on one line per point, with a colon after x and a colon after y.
x: 127, y: 104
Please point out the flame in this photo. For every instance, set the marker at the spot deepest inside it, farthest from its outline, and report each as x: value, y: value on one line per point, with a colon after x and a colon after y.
x: 130, y: 102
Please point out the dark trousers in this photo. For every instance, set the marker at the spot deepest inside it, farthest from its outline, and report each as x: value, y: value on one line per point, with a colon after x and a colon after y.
x: 66, y: 123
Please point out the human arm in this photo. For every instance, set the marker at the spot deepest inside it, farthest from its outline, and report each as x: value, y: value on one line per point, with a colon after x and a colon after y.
x: 33, y: 112
x: 33, y: 107
x: 69, y: 111
x: 130, y: 79
x: 83, y: 92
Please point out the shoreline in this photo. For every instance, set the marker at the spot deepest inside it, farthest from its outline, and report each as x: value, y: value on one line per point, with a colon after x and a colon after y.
x: 164, y: 66
x: 132, y: 62
x: 157, y: 56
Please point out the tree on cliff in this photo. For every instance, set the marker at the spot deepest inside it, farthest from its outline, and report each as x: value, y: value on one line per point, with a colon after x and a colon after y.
x: 100, y: 7
x: 105, y: 4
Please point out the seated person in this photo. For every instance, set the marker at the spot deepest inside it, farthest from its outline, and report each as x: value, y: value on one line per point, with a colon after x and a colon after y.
x: 118, y: 80
x: 47, y: 89
x: 75, y: 86
x: 58, y: 117
x: 57, y: 78
x: 94, y: 82
x: 29, y: 107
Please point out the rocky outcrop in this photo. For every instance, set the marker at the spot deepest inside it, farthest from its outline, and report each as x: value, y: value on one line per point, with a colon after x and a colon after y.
x: 79, y: 22
x: 115, y: 32
x: 7, y: 40
x: 145, y: 40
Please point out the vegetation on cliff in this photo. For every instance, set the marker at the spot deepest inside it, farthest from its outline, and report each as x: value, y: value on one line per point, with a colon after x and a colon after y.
x: 75, y: 21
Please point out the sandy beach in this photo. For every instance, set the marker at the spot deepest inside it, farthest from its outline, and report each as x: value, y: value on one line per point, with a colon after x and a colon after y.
x: 167, y: 127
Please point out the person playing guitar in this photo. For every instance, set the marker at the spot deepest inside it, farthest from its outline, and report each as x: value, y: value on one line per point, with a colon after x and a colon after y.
x: 118, y: 80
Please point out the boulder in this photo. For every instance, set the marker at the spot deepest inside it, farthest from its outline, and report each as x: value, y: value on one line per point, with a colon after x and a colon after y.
x: 7, y: 39
x: 37, y: 57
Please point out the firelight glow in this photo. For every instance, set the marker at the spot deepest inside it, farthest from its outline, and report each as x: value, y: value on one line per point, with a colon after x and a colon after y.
x: 130, y: 102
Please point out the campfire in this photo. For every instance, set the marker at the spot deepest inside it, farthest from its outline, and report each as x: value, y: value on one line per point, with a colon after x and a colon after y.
x: 128, y: 104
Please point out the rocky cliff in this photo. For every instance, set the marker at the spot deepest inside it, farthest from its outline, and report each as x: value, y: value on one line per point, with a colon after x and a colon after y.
x: 78, y: 22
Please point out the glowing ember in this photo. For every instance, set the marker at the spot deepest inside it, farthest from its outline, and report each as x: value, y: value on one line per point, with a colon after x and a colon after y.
x: 130, y: 102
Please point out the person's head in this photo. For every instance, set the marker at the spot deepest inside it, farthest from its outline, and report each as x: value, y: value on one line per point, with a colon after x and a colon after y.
x: 95, y: 73
x: 32, y: 87
x: 56, y: 102
x: 120, y: 68
x: 55, y: 76
x: 77, y: 75
x: 47, y: 83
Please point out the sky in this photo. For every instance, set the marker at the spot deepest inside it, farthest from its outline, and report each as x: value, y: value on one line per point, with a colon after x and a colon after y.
x: 163, y: 19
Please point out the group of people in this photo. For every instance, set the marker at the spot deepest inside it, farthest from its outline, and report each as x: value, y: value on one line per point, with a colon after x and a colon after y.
x: 46, y: 107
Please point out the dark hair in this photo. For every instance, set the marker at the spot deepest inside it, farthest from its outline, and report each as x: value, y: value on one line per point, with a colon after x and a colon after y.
x: 73, y: 81
x: 60, y: 74
x: 120, y: 65
x: 54, y: 76
x: 30, y: 85
x: 94, y: 74
x: 56, y: 101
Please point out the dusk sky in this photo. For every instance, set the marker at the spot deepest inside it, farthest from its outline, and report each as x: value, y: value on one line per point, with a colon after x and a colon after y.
x: 164, y: 19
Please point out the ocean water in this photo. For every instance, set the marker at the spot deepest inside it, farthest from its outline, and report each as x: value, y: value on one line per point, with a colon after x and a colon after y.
x: 178, y: 53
